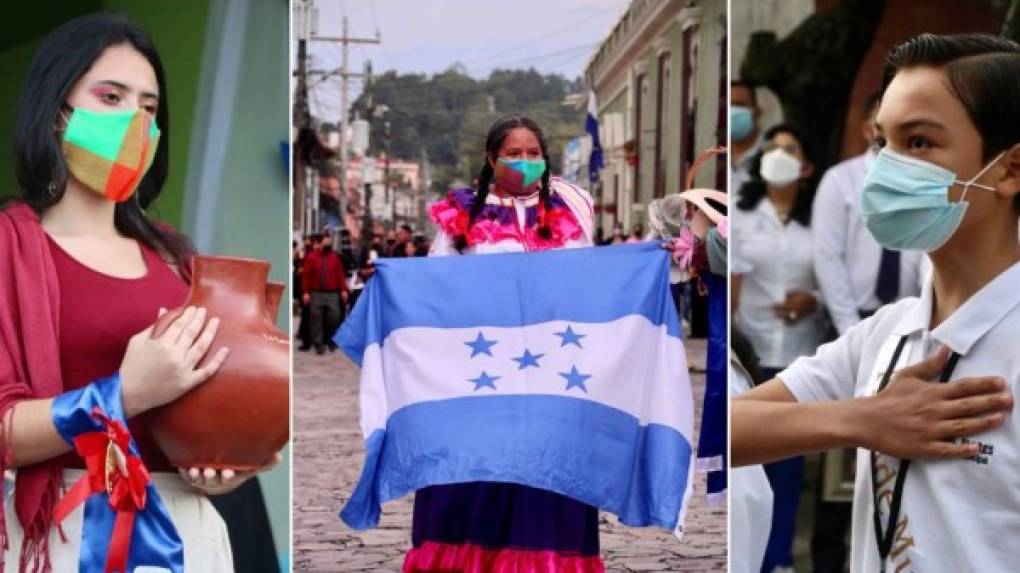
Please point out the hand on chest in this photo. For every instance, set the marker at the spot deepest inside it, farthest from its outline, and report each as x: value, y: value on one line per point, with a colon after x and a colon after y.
x: 995, y: 447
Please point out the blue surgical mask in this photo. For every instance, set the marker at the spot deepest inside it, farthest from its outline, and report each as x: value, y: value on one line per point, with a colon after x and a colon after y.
x: 905, y: 201
x: 741, y: 122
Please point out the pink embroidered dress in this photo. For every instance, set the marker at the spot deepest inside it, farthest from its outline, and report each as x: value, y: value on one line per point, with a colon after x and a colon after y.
x: 514, y: 224
x: 482, y: 527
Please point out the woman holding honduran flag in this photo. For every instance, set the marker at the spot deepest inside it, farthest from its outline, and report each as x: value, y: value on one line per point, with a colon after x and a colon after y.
x: 84, y: 274
x: 510, y: 475
x: 488, y: 526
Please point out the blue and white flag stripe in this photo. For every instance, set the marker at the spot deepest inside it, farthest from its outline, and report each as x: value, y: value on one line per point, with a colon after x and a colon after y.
x: 562, y: 370
x: 517, y: 289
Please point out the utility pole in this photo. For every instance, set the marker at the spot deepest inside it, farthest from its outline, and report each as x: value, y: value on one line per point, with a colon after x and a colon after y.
x: 386, y: 178
x: 302, y: 119
x: 366, y: 227
x: 424, y: 187
x: 345, y: 74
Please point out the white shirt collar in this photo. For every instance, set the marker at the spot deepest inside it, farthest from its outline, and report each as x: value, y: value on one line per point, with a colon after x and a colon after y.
x: 767, y: 210
x: 975, y: 318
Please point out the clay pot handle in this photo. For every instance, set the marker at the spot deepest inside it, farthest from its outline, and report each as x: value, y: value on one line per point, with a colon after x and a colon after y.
x: 274, y: 294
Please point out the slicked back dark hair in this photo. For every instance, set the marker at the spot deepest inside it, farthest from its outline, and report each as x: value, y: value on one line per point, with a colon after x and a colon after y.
x: 983, y: 72
x: 66, y: 55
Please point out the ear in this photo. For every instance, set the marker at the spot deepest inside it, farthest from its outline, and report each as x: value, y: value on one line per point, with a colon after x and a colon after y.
x: 868, y: 130
x: 61, y: 123
x: 492, y: 161
x: 1009, y: 184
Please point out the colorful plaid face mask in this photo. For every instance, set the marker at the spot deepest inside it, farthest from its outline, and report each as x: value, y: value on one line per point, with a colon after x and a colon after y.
x: 514, y: 176
x: 111, y: 151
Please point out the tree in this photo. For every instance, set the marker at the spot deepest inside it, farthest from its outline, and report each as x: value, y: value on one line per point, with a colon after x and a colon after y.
x: 448, y: 115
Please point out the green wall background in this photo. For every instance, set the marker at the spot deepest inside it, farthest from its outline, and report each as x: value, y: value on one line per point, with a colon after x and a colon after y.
x: 254, y: 203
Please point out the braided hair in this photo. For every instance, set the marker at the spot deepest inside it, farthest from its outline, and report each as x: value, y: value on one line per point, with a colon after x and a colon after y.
x: 493, y: 143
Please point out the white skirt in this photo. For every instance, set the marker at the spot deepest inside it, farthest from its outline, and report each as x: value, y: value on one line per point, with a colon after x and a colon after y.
x: 206, y: 543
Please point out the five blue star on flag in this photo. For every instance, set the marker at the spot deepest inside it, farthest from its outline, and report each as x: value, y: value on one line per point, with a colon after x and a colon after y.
x: 480, y: 345
x: 570, y: 337
x: 528, y: 359
x: 484, y: 381
x: 575, y: 379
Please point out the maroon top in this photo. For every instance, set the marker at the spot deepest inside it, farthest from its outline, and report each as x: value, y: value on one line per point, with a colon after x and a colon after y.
x: 98, y: 316
x: 323, y: 272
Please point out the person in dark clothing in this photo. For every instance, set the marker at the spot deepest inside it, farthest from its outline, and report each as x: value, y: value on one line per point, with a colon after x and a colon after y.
x: 403, y: 247
x: 346, y: 250
x: 303, y: 334
x: 389, y: 244
x: 324, y: 289
x: 421, y: 246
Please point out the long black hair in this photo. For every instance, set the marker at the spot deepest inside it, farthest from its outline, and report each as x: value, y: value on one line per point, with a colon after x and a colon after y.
x: 66, y: 54
x: 493, y: 143
x: 752, y: 192
x: 984, y: 74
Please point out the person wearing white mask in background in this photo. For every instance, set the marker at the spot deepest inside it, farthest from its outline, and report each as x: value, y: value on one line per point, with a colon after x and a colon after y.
x: 744, y: 132
x: 925, y: 387
x: 775, y: 293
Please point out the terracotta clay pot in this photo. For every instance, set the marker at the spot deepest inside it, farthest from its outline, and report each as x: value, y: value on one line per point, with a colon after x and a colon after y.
x: 240, y: 417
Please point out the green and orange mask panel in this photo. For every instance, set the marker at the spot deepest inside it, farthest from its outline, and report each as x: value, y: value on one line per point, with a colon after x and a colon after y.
x: 110, y: 152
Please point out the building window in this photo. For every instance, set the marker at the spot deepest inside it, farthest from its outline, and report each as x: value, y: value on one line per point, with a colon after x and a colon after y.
x: 639, y: 97
x: 661, y: 117
x: 688, y: 103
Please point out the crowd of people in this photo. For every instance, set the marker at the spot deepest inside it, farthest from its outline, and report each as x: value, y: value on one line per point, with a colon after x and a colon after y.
x: 327, y: 279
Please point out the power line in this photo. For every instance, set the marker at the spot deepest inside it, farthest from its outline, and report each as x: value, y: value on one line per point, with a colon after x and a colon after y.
x: 542, y: 38
x: 378, y: 32
x: 572, y: 50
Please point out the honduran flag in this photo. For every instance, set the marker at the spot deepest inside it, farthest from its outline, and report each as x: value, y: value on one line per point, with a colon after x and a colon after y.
x: 561, y: 370
x: 591, y: 125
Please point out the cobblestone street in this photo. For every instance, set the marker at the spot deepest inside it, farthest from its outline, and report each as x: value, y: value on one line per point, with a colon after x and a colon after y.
x: 327, y: 461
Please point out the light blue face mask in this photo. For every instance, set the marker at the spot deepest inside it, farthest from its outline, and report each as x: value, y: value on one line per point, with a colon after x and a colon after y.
x: 741, y: 122
x: 905, y: 201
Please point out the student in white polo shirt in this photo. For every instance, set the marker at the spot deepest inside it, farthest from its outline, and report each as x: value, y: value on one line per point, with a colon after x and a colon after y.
x: 925, y: 385
x: 856, y: 276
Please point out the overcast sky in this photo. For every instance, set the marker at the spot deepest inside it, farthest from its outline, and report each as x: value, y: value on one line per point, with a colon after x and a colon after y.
x: 428, y: 36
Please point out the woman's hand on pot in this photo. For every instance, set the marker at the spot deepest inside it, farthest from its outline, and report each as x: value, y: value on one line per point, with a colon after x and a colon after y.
x: 211, y: 481
x: 156, y: 371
